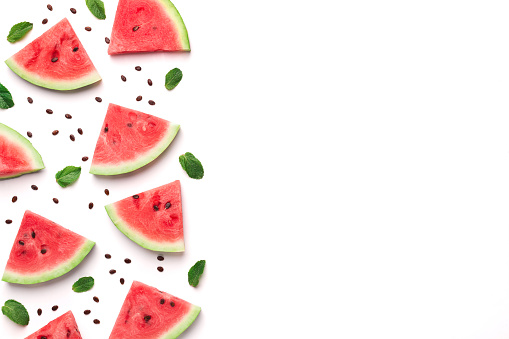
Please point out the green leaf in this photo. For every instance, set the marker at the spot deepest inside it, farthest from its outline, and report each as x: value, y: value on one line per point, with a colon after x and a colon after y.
x: 68, y: 175
x: 5, y: 98
x: 16, y: 312
x: 195, y: 273
x: 191, y: 165
x: 173, y: 78
x: 97, y: 8
x: 18, y: 31
x: 83, y: 284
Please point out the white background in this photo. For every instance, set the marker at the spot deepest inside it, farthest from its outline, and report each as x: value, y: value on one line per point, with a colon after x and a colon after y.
x: 357, y: 168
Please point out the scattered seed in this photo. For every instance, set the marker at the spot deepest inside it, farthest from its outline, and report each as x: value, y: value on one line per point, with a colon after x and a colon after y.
x: 84, y: 159
x: 29, y: 134
x: 151, y: 102
x: 124, y: 79
x: 160, y: 258
x: 88, y: 29
x: 113, y: 271
x: 8, y: 221
x: 54, y: 60
x: 97, y: 321
x: 138, y: 68
x: 14, y: 199
x: 34, y: 187
x: 75, y: 49
x: 50, y: 7
x: 96, y: 299
x: 68, y: 116
x: 106, y: 129
x: 72, y: 137
x: 107, y: 191
x: 107, y: 256
x: 122, y: 281
x: 136, y: 196
x: 73, y: 10
x: 43, y: 251
x: 127, y: 260
x: 161, y: 301
x: 55, y: 132
x: 30, y: 100
x: 129, y: 125
x: 80, y: 131
x: 21, y: 242
x: 54, y: 308
x: 98, y: 99
x: 91, y: 205
x: 87, y: 312
x: 49, y: 111
x: 172, y: 304
x: 107, y: 40
x: 168, y: 205
x: 45, y: 21
x: 160, y: 269
x: 135, y: 28
x: 55, y: 200
x: 155, y: 207
x: 149, y: 82
x: 33, y: 235
x: 139, y: 97
x: 39, y: 312
x: 147, y: 318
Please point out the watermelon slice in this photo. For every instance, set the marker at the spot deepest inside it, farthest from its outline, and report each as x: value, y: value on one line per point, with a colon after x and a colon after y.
x: 129, y: 140
x: 17, y: 155
x: 152, y: 219
x: 63, y: 327
x: 148, y: 26
x: 148, y: 313
x: 55, y: 60
x: 43, y: 250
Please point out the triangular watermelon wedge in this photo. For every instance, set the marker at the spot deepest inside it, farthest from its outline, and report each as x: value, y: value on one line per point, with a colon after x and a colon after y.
x: 55, y: 60
x: 44, y: 250
x: 152, y: 219
x: 148, y: 26
x: 17, y: 155
x: 148, y: 313
x: 130, y: 139
x: 63, y: 327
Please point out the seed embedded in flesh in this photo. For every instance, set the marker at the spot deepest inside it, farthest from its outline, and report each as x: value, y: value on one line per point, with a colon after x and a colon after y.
x: 160, y: 258
x: 129, y: 125
x: 107, y: 191
x: 156, y: 208
x: 88, y: 29
x: 91, y: 205
x: 113, y: 271
x: 172, y: 304
x: 55, y: 200
x: 72, y: 137
x: 80, y: 131
x: 97, y: 321
x: 139, y: 98
x: 149, y: 82
x: 30, y: 100
x: 21, y: 242
x: 107, y: 40
x: 87, y: 312
x: 45, y: 21
x: 162, y: 301
x: 43, y: 251
x: 151, y: 102
x: 124, y: 79
x: 49, y: 111
x: 136, y: 196
x: 73, y: 10
x: 106, y: 129
x: 96, y: 299
x: 168, y: 205
x: 50, y: 7
x: 135, y: 28
x: 55, y: 132
x: 34, y: 187
x: 75, y: 49
x: 68, y: 116
x: 54, y: 59
x: 54, y: 308
x: 14, y: 198
x: 147, y: 318
x: 98, y: 99
x: 107, y: 256
x: 122, y: 281
x: 138, y: 68
x: 8, y: 221
x: 160, y: 269
x: 84, y: 159
x: 33, y: 235
x: 127, y: 260
x: 39, y: 312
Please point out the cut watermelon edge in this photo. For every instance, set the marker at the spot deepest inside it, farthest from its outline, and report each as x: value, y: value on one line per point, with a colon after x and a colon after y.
x: 59, y: 85
x: 58, y: 271
x: 130, y: 166
x: 23, y: 142
x: 184, y: 323
x: 140, y: 239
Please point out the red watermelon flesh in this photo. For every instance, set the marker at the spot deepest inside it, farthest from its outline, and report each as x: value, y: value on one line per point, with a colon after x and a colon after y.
x: 43, y: 250
x: 152, y: 219
x: 130, y: 139
x: 148, y: 313
x: 55, y: 60
x: 63, y: 327
x: 148, y: 26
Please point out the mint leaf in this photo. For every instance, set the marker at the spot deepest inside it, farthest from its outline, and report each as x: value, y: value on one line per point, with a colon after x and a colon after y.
x: 68, y: 175
x: 18, y: 31
x: 173, y: 78
x: 96, y: 7
x: 191, y: 165
x: 195, y: 273
x: 16, y: 312
x: 5, y: 98
x: 83, y: 284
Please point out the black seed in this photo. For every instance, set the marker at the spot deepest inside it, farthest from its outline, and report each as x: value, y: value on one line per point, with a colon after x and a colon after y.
x: 96, y: 299
x: 80, y: 131
x: 72, y: 137
x: 156, y: 208
x: 122, y: 281
x: 97, y: 321
x: 8, y: 221
x: 127, y: 260
x: 113, y: 271
x: 124, y: 79
x: 49, y: 111
x: 160, y: 258
x: 39, y: 312
x: 55, y: 200
x: 149, y: 82
x: 139, y: 98
x: 33, y: 235
x: 138, y: 68
x: 106, y: 129
x: 14, y: 199
x: 172, y: 304
x: 107, y: 191
x: 168, y: 205
x: 43, y: 337
x: 34, y: 187
x: 54, y: 60
x: 147, y: 318
x: 55, y: 132
x: 87, y: 312
x: 161, y: 301
x: 68, y: 116
x: 43, y: 251
x: 107, y: 40
x: 129, y: 125
x: 151, y: 102
x: 135, y: 28
x: 50, y: 7
x: 75, y: 49
x: 21, y: 242
x: 84, y: 159
x: 73, y: 10
x: 91, y: 205
x: 54, y: 308
x: 45, y: 21
x: 98, y: 99
x: 160, y: 269
x: 136, y: 196
x: 30, y: 100
x: 29, y: 134
x: 107, y: 256
x: 88, y: 29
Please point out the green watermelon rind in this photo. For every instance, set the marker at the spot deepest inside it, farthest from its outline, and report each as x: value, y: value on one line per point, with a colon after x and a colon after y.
x: 177, y: 19
x: 139, y: 238
x: 147, y: 158
x: 15, y: 278
x: 184, y: 324
x: 59, y: 85
x: 27, y: 145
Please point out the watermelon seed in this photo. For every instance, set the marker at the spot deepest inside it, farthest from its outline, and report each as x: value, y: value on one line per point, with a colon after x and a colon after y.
x: 72, y: 137
x: 39, y: 312
x: 160, y: 269
x: 149, y: 82
x: 21, y: 243
x: 80, y: 131
x: 162, y: 301
x: 29, y: 134
x: 43, y: 337
x: 168, y: 205
x: 91, y: 205
x: 98, y: 99
x: 54, y: 60
x: 129, y: 125
x: 8, y: 221
x: 43, y: 251
x: 172, y: 304
x: 139, y: 97
x: 127, y: 260
x: 96, y: 299
x: 160, y: 258
x: 75, y: 49
x: 113, y: 271
x: 50, y: 7
x: 106, y: 129
x: 147, y: 318
x: 107, y: 191
x: 49, y: 111
x: 84, y: 159
x: 88, y: 29
x: 14, y: 198
x: 136, y: 196
x: 33, y: 235
x: 45, y: 21
x: 135, y: 28
x: 68, y: 116
x: 156, y: 208
x: 34, y: 187
x: 55, y: 132
x: 96, y: 321
x: 107, y: 40
x: 124, y: 79
x: 107, y: 256
x: 30, y: 100
x: 54, y: 308
x: 73, y: 10
x: 55, y: 200
x: 151, y: 102
x: 87, y: 312
x: 122, y: 281
x: 138, y: 68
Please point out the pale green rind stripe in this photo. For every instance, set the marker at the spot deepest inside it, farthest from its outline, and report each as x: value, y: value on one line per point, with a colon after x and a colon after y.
x: 174, y: 14
x: 143, y: 160
x: 55, y: 273
x: 184, y: 324
x: 14, y: 136
x: 63, y: 85
x: 139, y: 238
